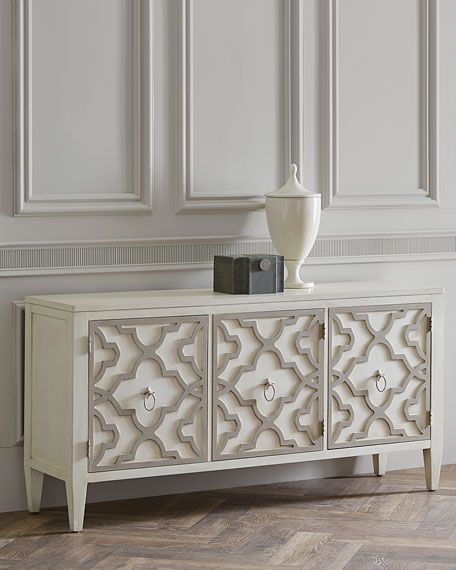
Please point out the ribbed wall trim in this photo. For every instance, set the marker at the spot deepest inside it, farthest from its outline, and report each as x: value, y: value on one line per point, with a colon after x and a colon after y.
x: 18, y: 259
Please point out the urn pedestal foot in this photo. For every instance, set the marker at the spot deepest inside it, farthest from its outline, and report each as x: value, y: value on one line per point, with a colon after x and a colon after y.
x: 293, y: 280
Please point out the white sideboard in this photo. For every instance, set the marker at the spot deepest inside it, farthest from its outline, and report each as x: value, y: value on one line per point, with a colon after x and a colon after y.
x: 140, y: 384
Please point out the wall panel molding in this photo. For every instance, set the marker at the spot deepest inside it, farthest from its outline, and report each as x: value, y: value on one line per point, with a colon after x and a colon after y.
x: 427, y: 194
x: 136, y: 199
x: 188, y: 200
x: 197, y: 253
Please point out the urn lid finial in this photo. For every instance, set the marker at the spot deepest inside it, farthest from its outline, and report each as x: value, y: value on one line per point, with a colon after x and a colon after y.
x: 292, y: 188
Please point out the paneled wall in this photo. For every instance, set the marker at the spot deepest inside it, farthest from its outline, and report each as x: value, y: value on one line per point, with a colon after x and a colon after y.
x: 137, y: 138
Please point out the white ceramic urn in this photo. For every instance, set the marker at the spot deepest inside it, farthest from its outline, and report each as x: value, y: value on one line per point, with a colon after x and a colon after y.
x: 293, y: 215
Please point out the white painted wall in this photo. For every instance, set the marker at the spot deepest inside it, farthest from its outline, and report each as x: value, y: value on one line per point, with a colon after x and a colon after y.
x: 221, y: 138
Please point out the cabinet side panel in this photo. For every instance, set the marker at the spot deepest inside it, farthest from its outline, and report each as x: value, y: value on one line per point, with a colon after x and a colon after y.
x: 48, y: 395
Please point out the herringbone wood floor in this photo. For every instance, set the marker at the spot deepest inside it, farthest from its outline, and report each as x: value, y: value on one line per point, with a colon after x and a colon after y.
x: 361, y: 522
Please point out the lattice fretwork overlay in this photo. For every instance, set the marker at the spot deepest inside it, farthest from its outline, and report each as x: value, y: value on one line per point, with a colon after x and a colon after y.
x: 167, y: 355
x: 268, y: 380
x: 365, y: 343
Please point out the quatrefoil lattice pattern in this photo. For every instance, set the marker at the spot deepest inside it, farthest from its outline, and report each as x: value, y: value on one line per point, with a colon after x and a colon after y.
x: 166, y: 356
x: 268, y: 379
x: 379, y: 374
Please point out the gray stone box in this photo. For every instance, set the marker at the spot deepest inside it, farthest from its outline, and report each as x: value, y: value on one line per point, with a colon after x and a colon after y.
x: 248, y: 274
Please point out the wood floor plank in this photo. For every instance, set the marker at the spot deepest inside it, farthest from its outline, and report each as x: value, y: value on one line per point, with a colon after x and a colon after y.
x: 5, y: 541
x: 387, y: 557
x: 243, y: 529
x: 412, y: 506
x: 185, y: 513
x: 440, y: 515
x: 300, y: 548
x: 334, y: 556
x: 115, y: 563
x: 399, y: 541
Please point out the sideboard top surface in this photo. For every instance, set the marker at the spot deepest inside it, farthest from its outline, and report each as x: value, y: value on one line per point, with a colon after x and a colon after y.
x: 81, y: 302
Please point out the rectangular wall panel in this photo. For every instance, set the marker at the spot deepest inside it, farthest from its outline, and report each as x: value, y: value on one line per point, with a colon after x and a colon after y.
x: 235, y: 82
x: 382, y: 106
x: 82, y: 106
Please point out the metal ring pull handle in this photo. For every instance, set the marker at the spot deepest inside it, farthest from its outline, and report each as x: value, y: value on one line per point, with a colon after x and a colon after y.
x: 380, y: 379
x: 269, y: 386
x: 148, y: 394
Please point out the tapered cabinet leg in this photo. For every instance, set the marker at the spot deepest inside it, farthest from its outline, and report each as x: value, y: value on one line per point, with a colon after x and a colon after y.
x: 76, y: 499
x: 34, y: 488
x: 379, y: 462
x: 432, y: 464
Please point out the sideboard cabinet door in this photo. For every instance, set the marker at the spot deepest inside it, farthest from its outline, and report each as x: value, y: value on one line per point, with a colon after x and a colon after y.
x: 379, y: 374
x: 268, y: 383
x: 148, y: 392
